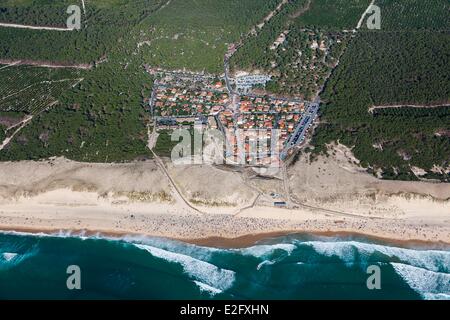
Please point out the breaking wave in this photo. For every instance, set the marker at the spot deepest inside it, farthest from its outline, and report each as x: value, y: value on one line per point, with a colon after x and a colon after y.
x: 204, y: 272
x: 348, y: 251
x: 429, y: 284
x: 261, y: 251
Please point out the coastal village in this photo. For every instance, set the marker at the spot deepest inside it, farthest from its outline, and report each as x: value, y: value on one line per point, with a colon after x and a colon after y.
x: 244, y: 116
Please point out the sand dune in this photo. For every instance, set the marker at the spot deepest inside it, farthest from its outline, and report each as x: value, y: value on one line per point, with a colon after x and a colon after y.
x: 329, y: 195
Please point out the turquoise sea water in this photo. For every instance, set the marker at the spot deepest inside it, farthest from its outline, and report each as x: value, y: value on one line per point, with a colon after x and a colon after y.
x: 290, y: 267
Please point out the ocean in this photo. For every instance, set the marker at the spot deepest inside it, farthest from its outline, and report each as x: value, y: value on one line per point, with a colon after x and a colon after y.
x: 298, y: 266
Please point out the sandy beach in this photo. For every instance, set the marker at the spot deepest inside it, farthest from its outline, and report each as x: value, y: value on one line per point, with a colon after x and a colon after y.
x: 330, y: 195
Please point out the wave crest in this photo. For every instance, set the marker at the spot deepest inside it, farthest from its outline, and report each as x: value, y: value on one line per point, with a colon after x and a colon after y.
x: 429, y: 284
x: 261, y: 251
x: 204, y: 272
x: 438, y: 261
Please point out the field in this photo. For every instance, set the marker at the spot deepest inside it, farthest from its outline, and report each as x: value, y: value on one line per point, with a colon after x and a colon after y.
x: 31, y: 89
x: 415, y: 14
x: 100, y: 120
x: 333, y: 14
x: 27, y: 91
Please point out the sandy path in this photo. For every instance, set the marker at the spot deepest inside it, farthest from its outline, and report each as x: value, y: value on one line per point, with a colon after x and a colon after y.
x: 372, y: 109
x: 42, y: 82
x: 165, y: 5
x: 302, y: 11
x: 24, y: 26
x: 177, y: 193
x: 10, y: 65
x: 272, y: 14
x: 44, y: 64
x: 152, y: 137
x: 21, y: 125
x: 84, y: 7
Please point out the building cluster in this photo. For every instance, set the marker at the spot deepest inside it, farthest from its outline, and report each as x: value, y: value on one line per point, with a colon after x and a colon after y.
x: 261, y: 118
x: 255, y: 128
x: 270, y: 113
x: 181, y: 102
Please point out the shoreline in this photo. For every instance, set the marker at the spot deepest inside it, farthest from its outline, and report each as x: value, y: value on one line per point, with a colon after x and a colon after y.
x: 252, y: 239
x: 89, y: 213
x: 231, y: 243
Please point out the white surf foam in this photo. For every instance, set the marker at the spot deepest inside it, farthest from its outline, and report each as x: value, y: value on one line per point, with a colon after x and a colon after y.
x: 198, y: 252
x: 212, y: 291
x: 347, y: 251
x: 436, y: 296
x: 201, y: 271
x: 56, y: 234
x: 264, y: 263
x: 260, y: 251
x: 429, y: 284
